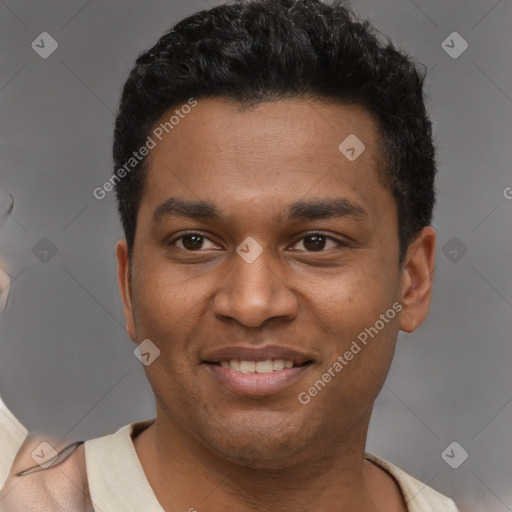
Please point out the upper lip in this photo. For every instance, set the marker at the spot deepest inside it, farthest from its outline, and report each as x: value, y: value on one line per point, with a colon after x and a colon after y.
x: 257, y: 354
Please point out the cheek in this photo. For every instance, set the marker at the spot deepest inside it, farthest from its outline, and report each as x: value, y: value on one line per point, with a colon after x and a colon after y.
x: 165, y: 300
x: 359, y: 294
x: 166, y: 313
x: 359, y: 309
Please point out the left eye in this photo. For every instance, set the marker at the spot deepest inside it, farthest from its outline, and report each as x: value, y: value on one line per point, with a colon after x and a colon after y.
x: 317, y: 242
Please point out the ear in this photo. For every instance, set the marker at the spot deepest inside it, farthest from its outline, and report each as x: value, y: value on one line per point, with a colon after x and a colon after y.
x: 417, y: 280
x: 123, y: 281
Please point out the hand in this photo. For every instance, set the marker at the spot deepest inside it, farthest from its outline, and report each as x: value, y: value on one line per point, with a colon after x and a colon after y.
x: 61, y: 487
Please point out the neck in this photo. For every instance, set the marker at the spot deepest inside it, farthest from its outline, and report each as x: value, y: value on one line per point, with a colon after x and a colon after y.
x: 185, y: 474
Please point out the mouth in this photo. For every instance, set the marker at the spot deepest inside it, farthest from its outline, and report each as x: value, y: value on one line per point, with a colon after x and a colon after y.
x: 265, y: 366
x: 257, y: 372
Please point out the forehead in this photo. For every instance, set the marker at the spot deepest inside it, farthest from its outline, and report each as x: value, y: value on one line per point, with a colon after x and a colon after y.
x: 273, y: 151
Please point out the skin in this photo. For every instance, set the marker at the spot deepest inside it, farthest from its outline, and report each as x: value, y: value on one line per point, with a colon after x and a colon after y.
x: 60, y: 488
x: 210, y: 448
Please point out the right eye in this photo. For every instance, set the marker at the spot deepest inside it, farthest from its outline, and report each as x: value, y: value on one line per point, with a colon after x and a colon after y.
x: 191, y: 241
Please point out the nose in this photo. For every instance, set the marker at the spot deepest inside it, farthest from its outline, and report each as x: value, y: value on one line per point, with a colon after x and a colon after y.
x: 255, y: 292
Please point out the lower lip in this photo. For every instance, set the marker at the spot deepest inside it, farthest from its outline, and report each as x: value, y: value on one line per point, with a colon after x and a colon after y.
x: 257, y: 384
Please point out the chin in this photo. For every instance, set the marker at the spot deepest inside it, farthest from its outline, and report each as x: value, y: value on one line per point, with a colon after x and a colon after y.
x: 259, y: 456
x: 260, y: 444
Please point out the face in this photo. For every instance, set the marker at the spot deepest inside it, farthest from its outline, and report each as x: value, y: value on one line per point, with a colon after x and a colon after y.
x: 290, y: 258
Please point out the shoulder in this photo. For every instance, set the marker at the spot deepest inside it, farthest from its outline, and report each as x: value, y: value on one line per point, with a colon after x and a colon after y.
x: 418, y: 495
x: 115, y: 475
x: 113, y: 447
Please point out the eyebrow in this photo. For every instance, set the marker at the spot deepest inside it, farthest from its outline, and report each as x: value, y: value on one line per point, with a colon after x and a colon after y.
x: 325, y: 209
x: 300, y: 210
x: 174, y: 207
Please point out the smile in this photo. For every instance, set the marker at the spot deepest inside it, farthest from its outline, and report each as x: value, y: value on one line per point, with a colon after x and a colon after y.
x: 256, y: 378
x: 267, y: 366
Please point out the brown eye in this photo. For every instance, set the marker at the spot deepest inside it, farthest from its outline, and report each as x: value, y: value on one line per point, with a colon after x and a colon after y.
x: 316, y: 242
x: 191, y: 242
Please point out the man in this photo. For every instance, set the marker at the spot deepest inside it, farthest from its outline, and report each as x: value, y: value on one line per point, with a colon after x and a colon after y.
x: 274, y: 170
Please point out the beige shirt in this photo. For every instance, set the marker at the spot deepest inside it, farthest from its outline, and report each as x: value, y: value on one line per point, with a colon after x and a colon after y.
x: 12, y: 435
x: 118, y: 484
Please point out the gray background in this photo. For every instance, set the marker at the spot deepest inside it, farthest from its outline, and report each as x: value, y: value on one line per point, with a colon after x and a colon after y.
x: 67, y: 366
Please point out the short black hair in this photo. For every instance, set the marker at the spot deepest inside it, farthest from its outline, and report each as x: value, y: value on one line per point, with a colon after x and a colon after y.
x: 265, y: 50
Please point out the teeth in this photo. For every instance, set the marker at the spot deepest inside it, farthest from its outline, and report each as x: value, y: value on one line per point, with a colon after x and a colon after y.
x: 267, y: 366
x: 278, y: 364
x: 247, y: 366
x: 264, y: 366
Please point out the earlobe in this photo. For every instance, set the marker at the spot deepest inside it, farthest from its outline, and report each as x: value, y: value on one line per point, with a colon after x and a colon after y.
x: 123, y: 282
x: 417, y: 280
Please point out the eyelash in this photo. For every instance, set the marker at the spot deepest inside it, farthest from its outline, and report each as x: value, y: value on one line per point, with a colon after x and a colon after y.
x: 311, y: 233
